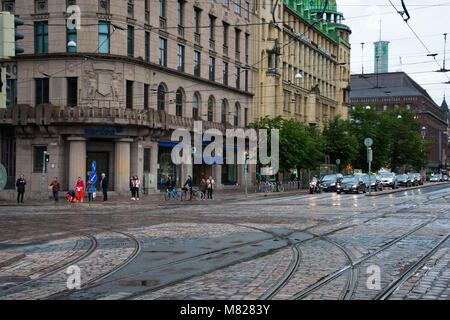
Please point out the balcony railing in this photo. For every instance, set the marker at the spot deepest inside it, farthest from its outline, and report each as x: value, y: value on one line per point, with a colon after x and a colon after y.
x: 197, y: 38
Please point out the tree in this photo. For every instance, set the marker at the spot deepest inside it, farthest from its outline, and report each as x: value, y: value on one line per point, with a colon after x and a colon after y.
x: 339, y: 143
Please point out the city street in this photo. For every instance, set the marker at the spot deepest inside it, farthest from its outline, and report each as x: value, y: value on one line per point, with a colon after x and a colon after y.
x: 296, y: 246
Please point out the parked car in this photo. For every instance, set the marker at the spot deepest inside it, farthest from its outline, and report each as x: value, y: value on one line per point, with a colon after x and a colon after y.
x: 352, y: 184
x: 414, y: 181
x: 329, y: 182
x: 389, y: 180
x: 404, y: 180
x: 419, y: 178
x: 445, y: 178
x: 365, y: 178
x: 436, y: 177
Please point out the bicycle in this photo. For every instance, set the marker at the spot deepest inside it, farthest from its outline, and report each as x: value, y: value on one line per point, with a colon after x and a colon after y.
x: 184, y: 193
x: 199, y: 195
x: 174, y: 194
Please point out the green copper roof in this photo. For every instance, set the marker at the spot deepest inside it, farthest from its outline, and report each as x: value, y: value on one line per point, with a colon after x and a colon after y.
x: 318, y: 5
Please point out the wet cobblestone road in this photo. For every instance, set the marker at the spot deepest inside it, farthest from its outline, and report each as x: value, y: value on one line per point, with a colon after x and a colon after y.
x: 325, y: 246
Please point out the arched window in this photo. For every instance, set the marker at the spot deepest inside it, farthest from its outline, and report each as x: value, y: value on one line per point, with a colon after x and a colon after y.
x: 236, y: 114
x: 161, y: 97
x: 179, y: 103
x: 224, y: 111
x: 162, y: 8
x: 211, y: 109
x: 195, y: 102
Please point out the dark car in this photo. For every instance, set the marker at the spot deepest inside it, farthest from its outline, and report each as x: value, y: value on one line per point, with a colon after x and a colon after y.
x: 352, y: 184
x: 389, y: 180
x: 419, y: 178
x: 375, y: 183
x: 330, y: 182
x: 365, y: 178
x: 404, y: 180
x: 414, y: 180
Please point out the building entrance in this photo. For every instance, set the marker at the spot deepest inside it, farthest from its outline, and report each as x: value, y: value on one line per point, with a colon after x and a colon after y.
x: 102, y: 160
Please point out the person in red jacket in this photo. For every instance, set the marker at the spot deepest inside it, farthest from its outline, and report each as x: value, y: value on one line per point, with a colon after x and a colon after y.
x: 80, y: 190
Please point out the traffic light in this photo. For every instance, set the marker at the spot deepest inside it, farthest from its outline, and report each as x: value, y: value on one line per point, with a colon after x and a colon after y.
x: 9, y: 35
x: 47, y: 157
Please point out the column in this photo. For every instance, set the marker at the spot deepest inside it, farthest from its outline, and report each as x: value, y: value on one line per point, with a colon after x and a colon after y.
x: 137, y: 159
x: 122, y: 166
x: 154, y: 166
x: 77, y: 160
x: 217, y: 175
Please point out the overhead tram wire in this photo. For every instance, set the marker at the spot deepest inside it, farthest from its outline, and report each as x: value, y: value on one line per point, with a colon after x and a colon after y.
x: 401, y: 13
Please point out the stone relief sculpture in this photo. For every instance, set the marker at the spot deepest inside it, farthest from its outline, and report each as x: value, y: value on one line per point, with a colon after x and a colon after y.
x: 91, y: 84
x: 115, y: 85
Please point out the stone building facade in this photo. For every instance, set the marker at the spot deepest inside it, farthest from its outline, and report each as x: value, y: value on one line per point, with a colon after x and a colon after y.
x: 320, y: 55
x: 180, y: 60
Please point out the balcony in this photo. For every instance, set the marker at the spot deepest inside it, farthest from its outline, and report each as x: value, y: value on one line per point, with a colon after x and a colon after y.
x: 212, y: 45
x: 181, y: 31
x: 197, y: 38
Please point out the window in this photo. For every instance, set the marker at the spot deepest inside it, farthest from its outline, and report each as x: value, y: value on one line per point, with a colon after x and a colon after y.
x: 147, y: 46
x: 195, y: 100
x: 180, y: 55
x: 247, y: 10
x: 236, y: 114
x: 237, y: 43
x: 147, y: 11
x: 41, y: 37
x: 162, y: 8
x: 41, y: 6
x: 163, y: 52
x: 72, y: 92
x: 246, y: 80
x: 8, y: 5
x: 197, y: 63
x: 71, y: 35
x: 211, y: 109
x: 237, y: 8
x: 147, y: 159
x: 130, y: 41
x: 247, y: 39
x: 238, y: 77
x: 130, y: 8
x: 181, y: 12
x: 212, y: 68
x: 103, y: 37
x: 179, y: 103
x: 38, y: 161
x: 11, y: 93
x: 129, y: 94
x: 225, y: 34
x: 226, y: 3
x: 103, y: 6
x: 146, y: 100
x: 225, y: 73
x: 245, y: 117
x: 161, y: 97
x: 212, y: 21
x: 197, y: 12
x: 224, y: 111
x: 42, y: 91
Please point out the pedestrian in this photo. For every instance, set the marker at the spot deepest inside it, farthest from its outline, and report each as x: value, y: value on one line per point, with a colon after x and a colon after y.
x: 202, y: 187
x: 20, y: 184
x: 190, y: 184
x: 90, y: 191
x: 169, y: 185
x: 80, y: 189
x: 132, y: 189
x: 55, y: 188
x: 210, y: 186
x: 104, y: 187
x: 137, y: 185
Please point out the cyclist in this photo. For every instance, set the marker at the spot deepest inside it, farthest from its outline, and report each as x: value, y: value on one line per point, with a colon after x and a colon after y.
x: 190, y: 184
x: 169, y: 185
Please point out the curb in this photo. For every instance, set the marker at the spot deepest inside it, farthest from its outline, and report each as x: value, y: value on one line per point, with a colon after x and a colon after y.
x: 375, y: 194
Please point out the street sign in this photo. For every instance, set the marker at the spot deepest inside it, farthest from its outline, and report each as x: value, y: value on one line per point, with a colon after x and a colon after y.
x: 338, y: 161
x: 368, y: 142
x: 94, y: 166
x: 369, y: 155
x: 93, y: 178
x: 3, y: 177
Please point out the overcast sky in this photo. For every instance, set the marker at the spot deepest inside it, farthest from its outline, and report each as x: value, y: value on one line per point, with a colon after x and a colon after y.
x: 430, y: 19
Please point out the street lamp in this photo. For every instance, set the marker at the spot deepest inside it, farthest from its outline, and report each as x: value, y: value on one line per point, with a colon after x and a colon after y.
x: 368, y: 108
x: 399, y: 117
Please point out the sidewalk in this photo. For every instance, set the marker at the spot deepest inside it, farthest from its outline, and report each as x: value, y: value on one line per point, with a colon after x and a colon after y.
x: 145, y: 200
